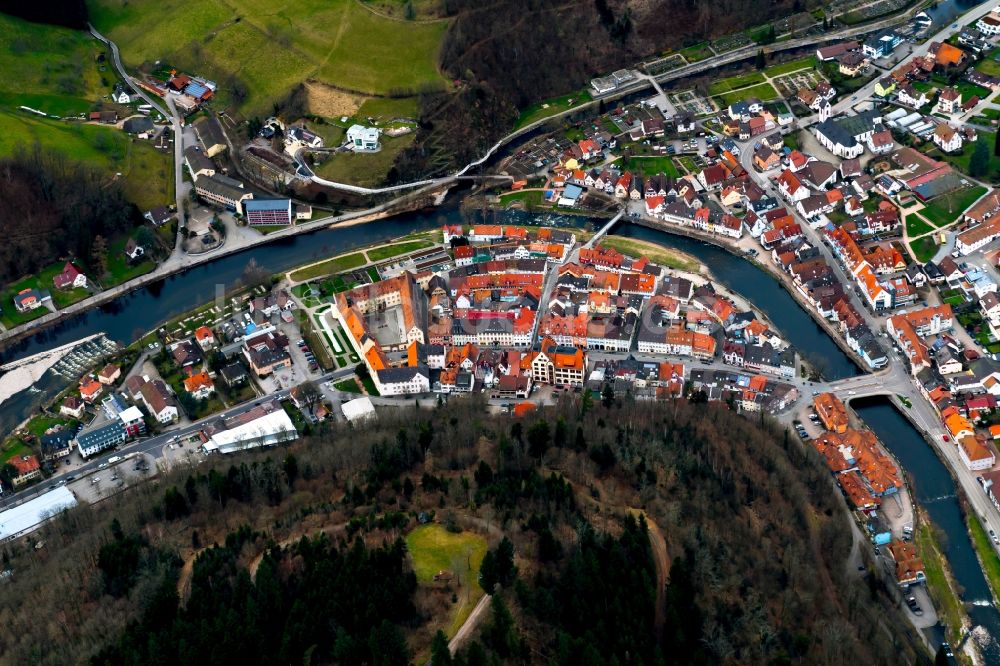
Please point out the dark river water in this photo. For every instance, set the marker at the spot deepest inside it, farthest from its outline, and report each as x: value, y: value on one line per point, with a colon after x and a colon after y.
x: 765, y: 293
x: 934, y: 488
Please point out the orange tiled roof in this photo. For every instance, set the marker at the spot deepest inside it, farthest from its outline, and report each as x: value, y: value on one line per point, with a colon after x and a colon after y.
x: 197, y: 382
x: 831, y: 411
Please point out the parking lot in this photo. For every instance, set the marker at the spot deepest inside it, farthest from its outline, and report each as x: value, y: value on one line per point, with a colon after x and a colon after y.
x: 303, y: 365
x: 112, y: 477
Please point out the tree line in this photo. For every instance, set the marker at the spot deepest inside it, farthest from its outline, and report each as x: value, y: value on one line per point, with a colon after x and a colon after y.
x: 53, y: 208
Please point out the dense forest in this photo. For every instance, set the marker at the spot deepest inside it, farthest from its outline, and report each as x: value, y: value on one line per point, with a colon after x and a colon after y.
x: 619, y: 533
x: 52, y: 208
x: 68, y: 13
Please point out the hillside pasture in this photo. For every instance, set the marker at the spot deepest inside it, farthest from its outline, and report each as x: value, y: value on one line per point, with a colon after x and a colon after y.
x: 271, y: 46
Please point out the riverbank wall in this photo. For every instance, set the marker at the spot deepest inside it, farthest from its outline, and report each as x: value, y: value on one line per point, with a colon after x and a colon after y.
x: 780, y: 278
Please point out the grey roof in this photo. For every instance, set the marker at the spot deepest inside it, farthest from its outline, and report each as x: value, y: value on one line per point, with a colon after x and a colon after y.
x: 222, y: 187
x: 397, y: 375
x: 198, y: 160
x: 137, y: 125
x: 210, y: 132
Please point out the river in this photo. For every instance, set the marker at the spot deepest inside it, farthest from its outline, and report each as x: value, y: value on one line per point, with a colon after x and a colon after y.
x: 765, y: 293
x: 945, y: 12
x: 934, y: 488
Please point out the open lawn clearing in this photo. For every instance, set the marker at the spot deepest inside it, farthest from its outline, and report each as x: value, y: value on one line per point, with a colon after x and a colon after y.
x: 988, y: 66
x: 648, y: 166
x: 147, y: 173
x: 328, y: 267
x: 550, y: 107
x: 364, y: 169
x: 697, y: 52
x: 970, y: 90
x: 99, y: 147
x: 51, y: 69
x: 119, y: 269
x: 793, y: 66
x: 369, y: 385
x: 923, y: 249
x: 348, y: 385
x: 917, y: 226
x: 388, y: 108
x: 272, y: 48
x: 961, y: 160
x: 945, y: 209
x: 733, y: 82
x: 386, y: 251
x: 528, y: 197
x: 433, y: 549
x: 945, y: 599
x: 655, y: 253
x: 764, y: 91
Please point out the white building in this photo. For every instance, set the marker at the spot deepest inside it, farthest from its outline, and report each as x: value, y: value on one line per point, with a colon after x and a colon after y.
x: 359, y: 410
x: 26, y: 517
x: 363, y: 139
x: 402, y: 381
x: 267, y: 430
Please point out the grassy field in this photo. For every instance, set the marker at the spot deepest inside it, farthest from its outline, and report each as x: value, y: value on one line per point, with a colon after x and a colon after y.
x: 528, y: 197
x: 650, y: 165
x: 917, y: 226
x: 988, y: 66
x: 987, y: 555
x: 734, y: 82
x: 793, y: 66
x: 697, y: 52
x: 365, y: 169
x: 51, y: 69
x: 433, y: 549
x: 655, y: 253
x: 923, y: 249
x: 961, y: 160
x: 387, y: 108
x: 945, y: 599
x: 763, y: 91
x: 944, y: 210
x: 56, y: 71
x: 274, y: 47
x: 551, y: 107
x: 969, y: 90
x: 328, y: 267
x: 384, y: 252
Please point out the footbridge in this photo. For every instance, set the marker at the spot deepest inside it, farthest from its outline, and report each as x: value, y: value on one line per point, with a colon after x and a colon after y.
x: 596, y: 238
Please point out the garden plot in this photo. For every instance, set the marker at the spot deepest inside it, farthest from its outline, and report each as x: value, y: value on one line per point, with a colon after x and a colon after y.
x: 688, y: 101
x: 789, y: 84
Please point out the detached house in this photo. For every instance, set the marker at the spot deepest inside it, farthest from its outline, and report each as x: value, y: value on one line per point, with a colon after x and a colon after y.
x: 949, y: 101
x: 70, y: 278
x: 947, y: 139
x: 910, y: 96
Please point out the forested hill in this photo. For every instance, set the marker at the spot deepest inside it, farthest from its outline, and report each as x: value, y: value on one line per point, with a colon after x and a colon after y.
x: 307, y: 554
x: 509, y: 54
